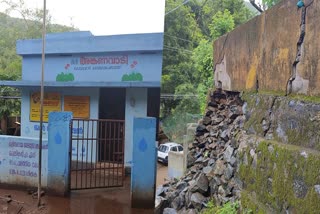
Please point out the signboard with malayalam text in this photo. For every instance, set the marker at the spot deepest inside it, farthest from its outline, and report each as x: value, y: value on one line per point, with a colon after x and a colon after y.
x: 51, y: 102
x: 79, y: 105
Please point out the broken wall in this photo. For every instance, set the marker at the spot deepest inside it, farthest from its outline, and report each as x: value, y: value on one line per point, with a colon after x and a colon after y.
x: 276, y: 51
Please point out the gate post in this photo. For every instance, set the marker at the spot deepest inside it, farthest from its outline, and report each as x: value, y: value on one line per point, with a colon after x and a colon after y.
x: 143, y: 175
x: 58, y: 152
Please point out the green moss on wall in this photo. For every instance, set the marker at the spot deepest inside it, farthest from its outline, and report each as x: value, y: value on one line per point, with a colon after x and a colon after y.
x: 259, y: 108
x: 273, y: 179
x: 291, y: 122
x: 300, y: 97
x: 250, y: 205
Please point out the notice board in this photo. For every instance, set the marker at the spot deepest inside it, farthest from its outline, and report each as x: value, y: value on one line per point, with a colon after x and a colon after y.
x: 51, y: 102
x: 79, y: 105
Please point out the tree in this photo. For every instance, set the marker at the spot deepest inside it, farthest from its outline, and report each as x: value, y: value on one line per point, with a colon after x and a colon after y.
x: 265, y: 4
x: 181, y: 36
x: 8, y: 106
x: 222, y: 22
x: 202, y: 59
x: 189, y: 102
x: 270, y: 3
x: 188, y: 55
x: 204, y: 10
x: 12, y: 29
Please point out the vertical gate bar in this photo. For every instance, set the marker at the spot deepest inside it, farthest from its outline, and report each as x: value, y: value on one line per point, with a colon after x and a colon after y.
x: 70, y: 155
x: 105, y: 152
x: 123, y: 148
x: 113, y: 149
x: 101, y: 160
x: 82, y: 152
x: 88, y: 127
x: 121, y: 156
x: 91, y: 164
x: 77, y: 142
x: 89, y: 141
x: 95, y: 165
x: 109, y: 151
x: 118, y: 152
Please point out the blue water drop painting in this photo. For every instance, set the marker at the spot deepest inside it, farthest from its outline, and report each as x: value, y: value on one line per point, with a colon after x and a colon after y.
x: 57, y: 138
x: 143, y: 146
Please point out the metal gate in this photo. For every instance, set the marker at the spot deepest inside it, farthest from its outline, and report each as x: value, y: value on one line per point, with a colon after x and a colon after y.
x: 96, y: 153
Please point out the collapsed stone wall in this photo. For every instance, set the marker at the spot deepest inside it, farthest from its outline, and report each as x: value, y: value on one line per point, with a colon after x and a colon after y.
x: 275, y: 51
x: 255, y: 148
x: 212, y: 159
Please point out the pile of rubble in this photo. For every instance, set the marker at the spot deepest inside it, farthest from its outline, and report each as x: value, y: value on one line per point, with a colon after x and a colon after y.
x: 212, y: 160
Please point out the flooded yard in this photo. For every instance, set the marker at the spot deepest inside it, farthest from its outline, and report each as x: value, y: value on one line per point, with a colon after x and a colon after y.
x: 95, y: 201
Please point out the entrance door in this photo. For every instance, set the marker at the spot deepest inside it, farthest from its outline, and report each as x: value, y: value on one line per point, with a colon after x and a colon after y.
x: 112, y: 104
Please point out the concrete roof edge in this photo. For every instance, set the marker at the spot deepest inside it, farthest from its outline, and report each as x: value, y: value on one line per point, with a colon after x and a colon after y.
x: 92, y: 44
x: 27, y: 83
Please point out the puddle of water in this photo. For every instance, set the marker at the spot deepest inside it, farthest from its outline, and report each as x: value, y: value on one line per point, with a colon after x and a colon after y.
x: 92, y: 205
x: 96, y: 201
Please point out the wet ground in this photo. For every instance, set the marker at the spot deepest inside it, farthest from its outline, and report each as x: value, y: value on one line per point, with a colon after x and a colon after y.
x: 113, y: 201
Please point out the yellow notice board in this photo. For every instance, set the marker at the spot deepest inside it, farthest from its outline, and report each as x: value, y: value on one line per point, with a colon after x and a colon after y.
x: 79, y: 105
x: 51, y: 102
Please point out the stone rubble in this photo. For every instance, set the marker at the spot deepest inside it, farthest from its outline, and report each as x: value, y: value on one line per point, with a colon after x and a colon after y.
x: 212, y: 160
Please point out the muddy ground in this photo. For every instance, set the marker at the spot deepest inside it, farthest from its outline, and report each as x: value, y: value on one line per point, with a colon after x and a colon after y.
x: 113, y: 201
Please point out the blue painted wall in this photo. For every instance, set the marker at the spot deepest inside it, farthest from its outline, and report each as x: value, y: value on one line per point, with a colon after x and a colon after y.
x: 143, y: 175
x: 19, y: 161
x: 136, y: 106
x: 58, y: 157
x: 107, y: 67
x: 82, y: 57
x: 30, y: 129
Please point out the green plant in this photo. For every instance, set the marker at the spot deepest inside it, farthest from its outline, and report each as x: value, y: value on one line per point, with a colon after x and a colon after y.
x: 64, y: 77
x: 134, y: 76
x: 227, y: 208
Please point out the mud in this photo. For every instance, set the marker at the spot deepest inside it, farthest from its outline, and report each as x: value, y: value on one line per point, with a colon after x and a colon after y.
x: 162, y: 174
x: 96, y: 201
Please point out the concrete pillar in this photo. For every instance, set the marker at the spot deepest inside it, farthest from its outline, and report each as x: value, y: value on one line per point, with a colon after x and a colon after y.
x: 144, y: 164
x: 58, y: 152
x: 177, y: 162
x: 175, y: 165
x: 136, y: 106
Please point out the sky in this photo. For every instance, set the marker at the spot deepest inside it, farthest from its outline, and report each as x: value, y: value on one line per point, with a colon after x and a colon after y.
x: 107, y: 17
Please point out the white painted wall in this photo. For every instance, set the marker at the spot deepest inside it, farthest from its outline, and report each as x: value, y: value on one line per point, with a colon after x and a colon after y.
x: 19, y: 161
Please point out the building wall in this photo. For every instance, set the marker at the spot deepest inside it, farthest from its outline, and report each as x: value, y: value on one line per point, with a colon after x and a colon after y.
x: 19, y: 161
x: 136, y: 106
x: 80, y: 63
x: 31, y: 129
x: 98, y: 67
x: 261, y: 53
